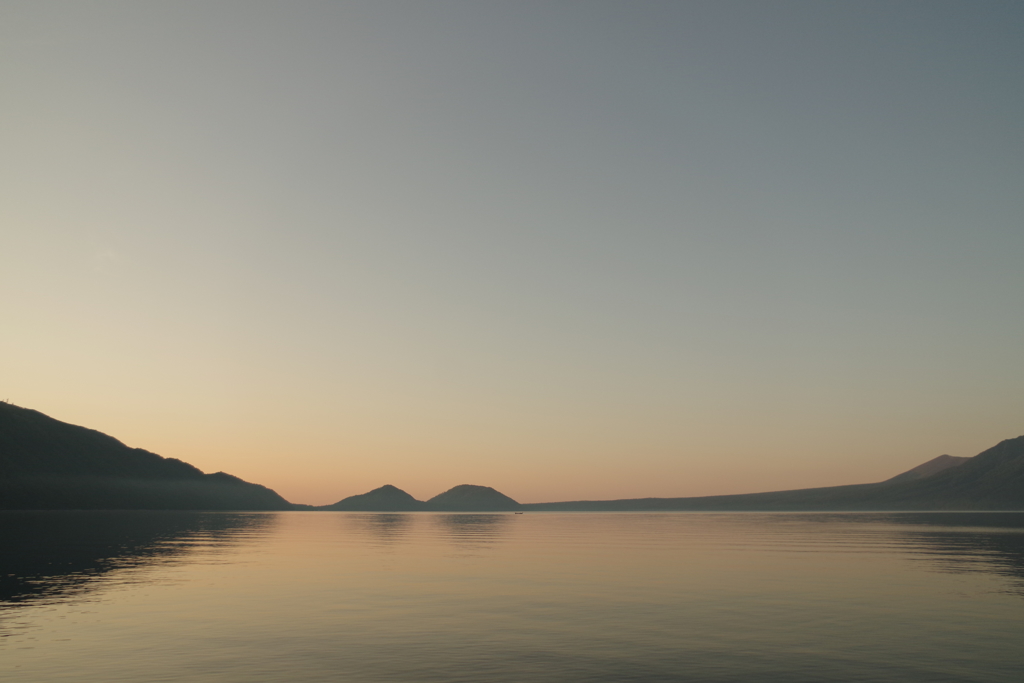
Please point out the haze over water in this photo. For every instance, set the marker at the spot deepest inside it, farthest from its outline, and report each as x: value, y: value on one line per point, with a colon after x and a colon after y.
x: 112, y: 596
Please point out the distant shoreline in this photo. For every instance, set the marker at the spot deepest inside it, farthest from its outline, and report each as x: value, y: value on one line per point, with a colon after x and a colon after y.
x: 46, y: 464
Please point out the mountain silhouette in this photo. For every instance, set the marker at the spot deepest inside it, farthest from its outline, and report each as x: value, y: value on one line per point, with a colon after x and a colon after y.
x: 387, y: 498
x: 469, y: 498
x: 46, y: 464
x: 933, y: 466
x: 991, y: 480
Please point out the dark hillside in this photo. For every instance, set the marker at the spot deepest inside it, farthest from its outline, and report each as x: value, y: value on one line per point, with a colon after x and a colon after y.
x: 48, y: 464
x: 469, y: 498
x: 933, y: 466
x: 991, y: 480
x: 387, y: 498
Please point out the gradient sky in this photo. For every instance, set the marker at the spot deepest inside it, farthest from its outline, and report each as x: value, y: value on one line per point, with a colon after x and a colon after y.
x: 566, y: 249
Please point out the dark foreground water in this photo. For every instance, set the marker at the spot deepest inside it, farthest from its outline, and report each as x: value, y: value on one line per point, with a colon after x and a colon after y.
x: 301, y: 597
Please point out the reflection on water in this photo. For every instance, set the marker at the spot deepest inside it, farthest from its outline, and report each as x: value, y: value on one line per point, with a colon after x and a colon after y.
x: 465, y: 530
x: 385, y: 528
x: 48, y: 554
x: 473, y: 531
x: 987, y: 542
x: 310, y: 597
x: 54, y: 554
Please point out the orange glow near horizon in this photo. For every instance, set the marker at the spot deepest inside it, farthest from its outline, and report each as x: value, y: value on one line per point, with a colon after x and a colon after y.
x: 680, y: 249
x: 310, y: 467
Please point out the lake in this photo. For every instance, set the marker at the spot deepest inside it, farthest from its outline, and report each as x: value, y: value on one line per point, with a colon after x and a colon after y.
x: 589, y: 597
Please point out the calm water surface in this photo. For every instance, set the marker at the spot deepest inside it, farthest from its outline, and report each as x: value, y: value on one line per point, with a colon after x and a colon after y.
x: 590, y: 597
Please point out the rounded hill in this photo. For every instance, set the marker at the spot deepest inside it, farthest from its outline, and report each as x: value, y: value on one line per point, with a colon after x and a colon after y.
x: 387, y: 498
x: 469, y: 498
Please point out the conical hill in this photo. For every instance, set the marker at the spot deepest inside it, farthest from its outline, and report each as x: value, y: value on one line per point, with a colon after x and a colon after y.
x: 387, y: 498
x: 469, y: 498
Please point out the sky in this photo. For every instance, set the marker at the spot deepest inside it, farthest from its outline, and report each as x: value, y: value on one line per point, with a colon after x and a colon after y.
x: 570, y: 250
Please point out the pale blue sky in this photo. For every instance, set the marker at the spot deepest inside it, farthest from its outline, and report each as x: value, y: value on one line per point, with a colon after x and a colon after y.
x: 566, y: 249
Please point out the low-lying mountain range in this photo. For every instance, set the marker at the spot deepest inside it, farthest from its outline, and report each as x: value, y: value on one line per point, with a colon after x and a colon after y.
x: 48, y: 464
x: 991, y: 480
x: 464, y: 498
